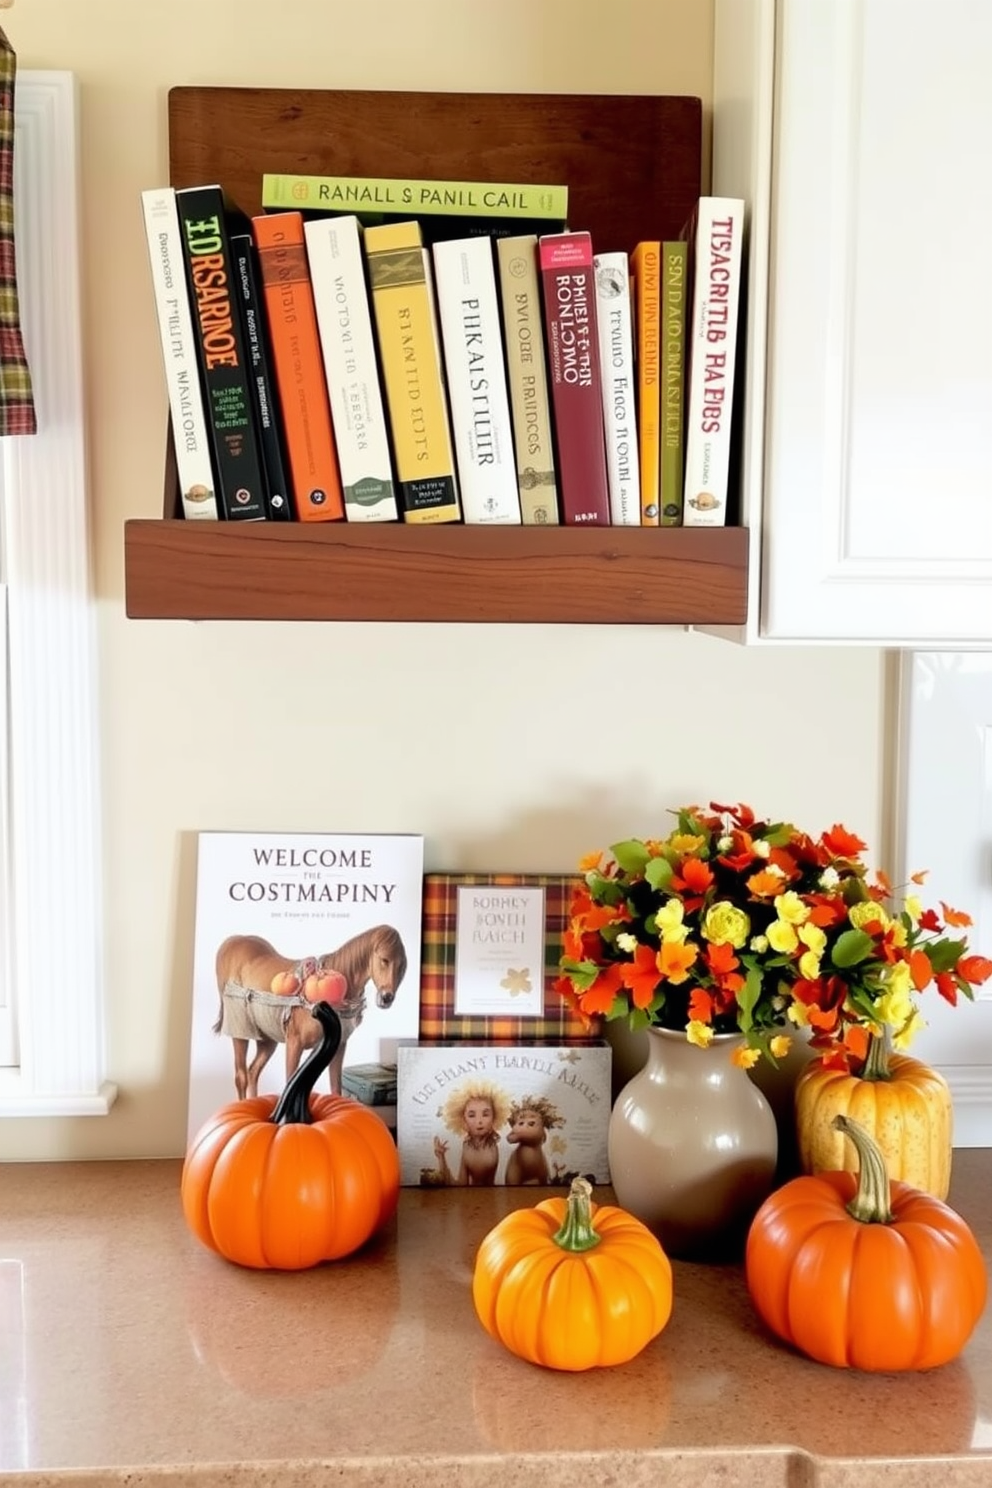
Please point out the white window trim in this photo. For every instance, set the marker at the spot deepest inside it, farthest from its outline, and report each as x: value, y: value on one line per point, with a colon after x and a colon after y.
x: 55, y: 955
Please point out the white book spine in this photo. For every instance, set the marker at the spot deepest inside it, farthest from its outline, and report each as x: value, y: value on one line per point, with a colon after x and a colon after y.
x: 351, y: 366
x: 190, y: 432
x: 468, y: 308
x: 616, y: 361
x: 711, y: 345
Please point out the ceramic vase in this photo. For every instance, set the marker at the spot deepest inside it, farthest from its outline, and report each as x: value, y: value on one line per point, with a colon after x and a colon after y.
x: 693, y: 1145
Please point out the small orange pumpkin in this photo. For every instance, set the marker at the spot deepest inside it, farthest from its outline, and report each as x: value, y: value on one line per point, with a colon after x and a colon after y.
x: 570, y: 1284
x: 284, y: 984
x: 284, y: 1184
x: 862, y: 1272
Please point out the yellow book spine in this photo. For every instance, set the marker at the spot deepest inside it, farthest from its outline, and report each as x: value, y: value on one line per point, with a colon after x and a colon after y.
x: 412, y: 372
x: 645, y: 263
x: 520, y: 295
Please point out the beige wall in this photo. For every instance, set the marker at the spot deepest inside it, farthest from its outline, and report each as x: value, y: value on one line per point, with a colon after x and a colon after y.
x: 507, y: 747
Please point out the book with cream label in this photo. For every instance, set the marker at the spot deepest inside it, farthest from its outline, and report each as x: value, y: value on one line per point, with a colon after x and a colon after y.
x: 468, y: 310
x: 616, y: 362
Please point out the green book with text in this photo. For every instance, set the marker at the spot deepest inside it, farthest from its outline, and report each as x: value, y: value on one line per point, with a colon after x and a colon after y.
x: 414, y: 198
x: 674, y: 259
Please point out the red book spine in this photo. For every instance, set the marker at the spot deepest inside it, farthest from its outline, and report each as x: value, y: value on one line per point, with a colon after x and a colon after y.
x: 569, y: 287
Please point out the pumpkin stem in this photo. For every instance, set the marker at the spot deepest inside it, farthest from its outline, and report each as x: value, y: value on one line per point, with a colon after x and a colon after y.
x: 876, y: 1066
x: 294, y: 1103
x: 576, y: 1231
x: 871, y: 1203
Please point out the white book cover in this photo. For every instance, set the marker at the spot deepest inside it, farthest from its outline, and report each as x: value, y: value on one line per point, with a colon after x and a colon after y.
x: 275, y: 909
x: 190, y: 431
x: 472, y: 339
x: 711, y: 346
x: 474, y: 1115
x: 351, y: 366
x: 527, y: 376
x: 616, y: 362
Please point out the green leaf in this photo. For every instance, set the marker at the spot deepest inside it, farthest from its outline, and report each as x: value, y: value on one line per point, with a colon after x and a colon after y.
x: 581, y: 974
x: 659, y: 874
x: 779, y: 835
x: 631, y: 855
x: 944, y: 955
x: 747, y: 998
x: 851, y: 948
x: 638, y: 1019
x: 604, y: 890
x: 618, y: 1008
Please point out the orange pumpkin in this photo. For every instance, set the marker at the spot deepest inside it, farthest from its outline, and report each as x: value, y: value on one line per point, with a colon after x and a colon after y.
x: 284, y: 984
x: 283, y: 1184
x: 862, y: 1272
x: 570, y: 1284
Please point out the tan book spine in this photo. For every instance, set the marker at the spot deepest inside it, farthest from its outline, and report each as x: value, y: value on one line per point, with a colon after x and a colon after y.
x: 412, y: 371
x: 523, y: 337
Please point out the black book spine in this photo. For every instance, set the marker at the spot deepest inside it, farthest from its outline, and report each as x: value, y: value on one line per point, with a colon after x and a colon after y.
x: 221, y: 353
x: 265, y: 402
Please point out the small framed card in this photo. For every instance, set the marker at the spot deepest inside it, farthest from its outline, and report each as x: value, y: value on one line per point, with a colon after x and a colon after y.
x: 491, y: 944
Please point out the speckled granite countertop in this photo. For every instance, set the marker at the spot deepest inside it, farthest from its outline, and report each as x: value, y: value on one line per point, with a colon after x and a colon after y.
x: 129, y: 1355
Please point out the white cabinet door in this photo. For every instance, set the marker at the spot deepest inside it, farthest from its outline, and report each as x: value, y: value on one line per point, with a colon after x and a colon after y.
x: 944, y: 819
x: 877, y: 503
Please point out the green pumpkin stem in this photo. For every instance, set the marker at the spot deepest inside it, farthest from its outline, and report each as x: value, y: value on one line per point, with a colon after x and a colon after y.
x: 871, y: 1203
x: 876, y: 1065
x: 576, y: 1231
x: 294, y: 1103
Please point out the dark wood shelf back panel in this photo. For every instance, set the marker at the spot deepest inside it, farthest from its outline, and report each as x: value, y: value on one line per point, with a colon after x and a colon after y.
x: 632, y: 164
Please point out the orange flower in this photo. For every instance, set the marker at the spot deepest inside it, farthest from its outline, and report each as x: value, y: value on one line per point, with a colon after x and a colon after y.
x: 694, y: 875
x: 764, y: 885
x: 954, y: 916
x: 974, y: 969
x: 674, y: 960
x: 920, y: 969
x: 841, y: 843
x: 642, y: 976
x: 590, y: 861
x: 700, y: 1005
x: 599, y: 998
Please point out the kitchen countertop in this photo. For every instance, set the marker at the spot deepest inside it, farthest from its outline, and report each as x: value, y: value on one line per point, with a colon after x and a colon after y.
x: 131, y: 1355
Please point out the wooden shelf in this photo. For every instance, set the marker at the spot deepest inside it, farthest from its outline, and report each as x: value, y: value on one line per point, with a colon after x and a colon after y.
x: 542, y: 575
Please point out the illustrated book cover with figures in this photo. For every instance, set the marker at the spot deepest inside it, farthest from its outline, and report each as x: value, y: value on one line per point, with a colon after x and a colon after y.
x: 277, y: 915
x: 490, y: 951
x: 529, y: 1115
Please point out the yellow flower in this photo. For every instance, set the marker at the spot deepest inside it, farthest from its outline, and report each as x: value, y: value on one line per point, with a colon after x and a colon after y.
x: 745, y: 1057
x: 809, y: 965
x: 725, y: 924
x: 790, y: 907
x: 684, y: 842
x: 699, y: 1033
x: 759, y: 944
x: 905, y: 1035
x: 913, y: 908
x: 898, y: 933
x: 895, y: 1006
x: 813, y: 937
x: 796, y: 1013
x: 780, y: 1045
x: 669, y: 922
x: 867, y: 913
x: 627, y: 942
x: 782, y: 937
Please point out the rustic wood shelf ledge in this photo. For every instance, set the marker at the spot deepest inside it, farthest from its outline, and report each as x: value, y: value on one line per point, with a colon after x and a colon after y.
x: 180, y: 570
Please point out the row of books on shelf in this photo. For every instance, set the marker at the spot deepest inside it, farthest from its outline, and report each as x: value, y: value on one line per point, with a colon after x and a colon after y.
x: 453, y: 1033
x: 348, y: 360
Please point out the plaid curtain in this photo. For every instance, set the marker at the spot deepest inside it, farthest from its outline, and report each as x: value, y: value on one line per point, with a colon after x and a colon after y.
x: 17, y: 415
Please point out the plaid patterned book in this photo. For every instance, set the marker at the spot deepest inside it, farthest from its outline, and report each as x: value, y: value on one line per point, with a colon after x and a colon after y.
x: 445, y: 1003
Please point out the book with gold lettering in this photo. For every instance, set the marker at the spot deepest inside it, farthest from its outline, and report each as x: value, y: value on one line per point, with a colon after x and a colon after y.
x: 674, y: 296
x: 413, y: 372
x: 645, y: 267
x: 527, y: 377
x: 205, y: 216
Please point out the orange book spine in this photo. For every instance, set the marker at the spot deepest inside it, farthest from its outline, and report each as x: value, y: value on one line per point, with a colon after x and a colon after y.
x: 645, y: 268
x: 299, y: 367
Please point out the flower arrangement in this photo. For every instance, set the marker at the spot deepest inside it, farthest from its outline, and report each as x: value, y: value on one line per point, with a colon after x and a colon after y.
x: 730, y: 924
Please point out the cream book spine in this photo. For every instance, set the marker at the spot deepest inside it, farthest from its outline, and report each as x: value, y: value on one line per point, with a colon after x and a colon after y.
x: 468, y: 309
x: 351, y: 367
x: 616, y: 362
x: 527, y: 376
x: 711, y: 344
x: 190, y: 433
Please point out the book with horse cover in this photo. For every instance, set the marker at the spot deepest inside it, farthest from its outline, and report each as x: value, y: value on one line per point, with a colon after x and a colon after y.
x: 284, y: 919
